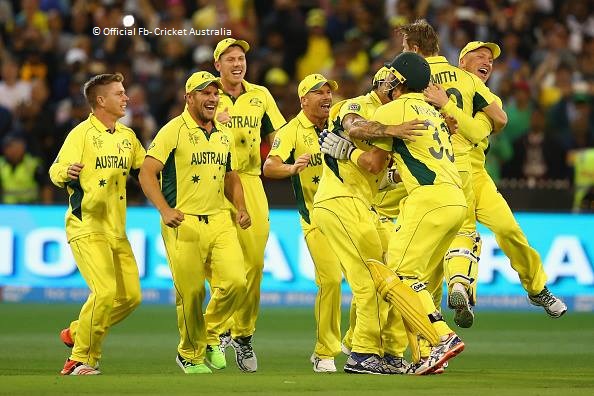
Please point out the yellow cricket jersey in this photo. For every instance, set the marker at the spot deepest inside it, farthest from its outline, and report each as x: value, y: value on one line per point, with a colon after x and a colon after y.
x: 344, y: 178
x: 471, y: 96
x: 97, y: 200
x: 300, y: 136
x: 254, y: 114
x: 479, y: 151
x: 430, y: 158
x: 195, y: 162
x: 387, y: 202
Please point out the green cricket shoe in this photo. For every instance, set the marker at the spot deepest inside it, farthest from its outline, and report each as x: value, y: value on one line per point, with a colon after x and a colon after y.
x: 192, y: 368
x: 215, y: 357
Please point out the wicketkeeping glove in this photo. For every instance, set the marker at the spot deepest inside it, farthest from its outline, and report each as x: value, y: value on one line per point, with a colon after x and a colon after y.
x: 335, y: 146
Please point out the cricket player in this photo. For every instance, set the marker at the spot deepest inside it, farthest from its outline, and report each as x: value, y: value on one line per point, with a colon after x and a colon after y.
x: 490, y: 207
x: 254, y: 116
x: 435, y: 206
x: 354, y: 117
x: 194, y: 157
x: 342, y: 209
x: 296, y: 153
x: 471, y: 95
x: 93, y: 164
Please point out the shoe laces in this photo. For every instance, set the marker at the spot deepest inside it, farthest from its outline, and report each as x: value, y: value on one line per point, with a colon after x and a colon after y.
x: 441, y: 348
x: 186, y: 363
x: 546, y: 297
x: 377, y: 364
x: 396, y: 361
x: 245, y: 348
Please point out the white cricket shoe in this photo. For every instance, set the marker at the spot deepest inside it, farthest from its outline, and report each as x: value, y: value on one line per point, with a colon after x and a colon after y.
x: 553, y: 306
x: 244, y: 354
x: 322, y: 365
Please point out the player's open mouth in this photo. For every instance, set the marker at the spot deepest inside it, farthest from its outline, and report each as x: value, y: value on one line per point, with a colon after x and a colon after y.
x: 484, y: 71
x: 325, y: 106
x: 237, y: 72
x: 210, y: 107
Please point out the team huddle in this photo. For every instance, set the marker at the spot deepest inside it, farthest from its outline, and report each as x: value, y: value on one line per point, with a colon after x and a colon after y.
x: 389, y: 187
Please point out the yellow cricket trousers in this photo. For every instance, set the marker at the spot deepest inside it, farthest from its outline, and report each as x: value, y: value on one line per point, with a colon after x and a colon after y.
x: 108, y: 267
x: 350, y: 229
x: 253, y: 243
x: 394, y: 334
x: 197, y: 241
x: 459, y: 267
x: 328, y: 298
x: 430, y: 218
x: 493, y: 211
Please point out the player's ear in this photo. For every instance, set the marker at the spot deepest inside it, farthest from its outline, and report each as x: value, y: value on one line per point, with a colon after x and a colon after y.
x: 217, y: 66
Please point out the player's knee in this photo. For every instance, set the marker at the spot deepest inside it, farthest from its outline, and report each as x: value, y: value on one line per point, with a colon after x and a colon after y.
x: 466, y: 247
x: 105, y: 297
x: 235, y: 285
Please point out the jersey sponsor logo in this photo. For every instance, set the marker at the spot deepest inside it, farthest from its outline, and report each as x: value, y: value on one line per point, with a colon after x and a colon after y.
x: 125, y: 144
x: 244, y: 122
x: 315, y: 159
x: 276, y: 143
x: 256, y: 102
x: 111, y: 162
x: 354, y: 106
x: 444, y: 77
x: 208, y: 157
x: 224, y: 139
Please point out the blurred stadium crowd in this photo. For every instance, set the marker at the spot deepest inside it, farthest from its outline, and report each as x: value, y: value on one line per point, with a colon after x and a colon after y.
x: 545, y: 74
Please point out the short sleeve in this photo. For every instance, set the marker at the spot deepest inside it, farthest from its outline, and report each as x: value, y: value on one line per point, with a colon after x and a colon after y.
x: 139, y: 154
x: 283, y: 144
x: 163, y: 144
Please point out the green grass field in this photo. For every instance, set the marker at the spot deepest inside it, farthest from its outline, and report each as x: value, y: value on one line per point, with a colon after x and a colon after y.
x: 506, y: 354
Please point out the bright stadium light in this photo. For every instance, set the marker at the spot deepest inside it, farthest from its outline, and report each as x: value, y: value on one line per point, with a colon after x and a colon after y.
x: 128, y: 20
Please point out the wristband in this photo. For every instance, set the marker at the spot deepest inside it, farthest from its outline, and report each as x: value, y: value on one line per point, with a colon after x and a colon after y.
x: 355, y: 154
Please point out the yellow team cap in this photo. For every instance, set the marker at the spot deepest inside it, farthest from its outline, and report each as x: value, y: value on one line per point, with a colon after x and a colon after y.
x: 314, y: 82
x: 224, y: 44
x: 200, y: 80
x: 474, y: 45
